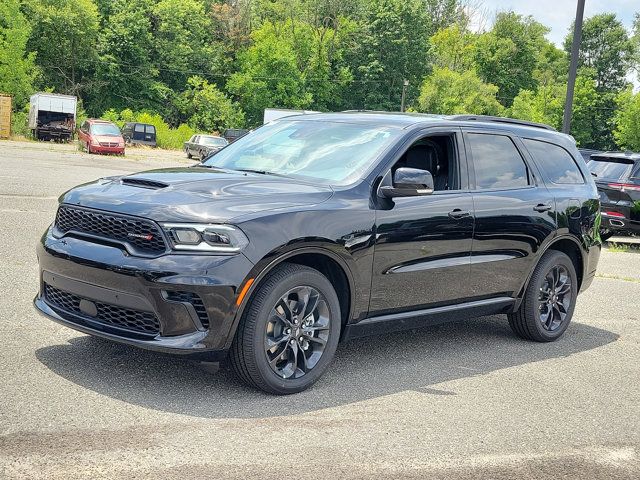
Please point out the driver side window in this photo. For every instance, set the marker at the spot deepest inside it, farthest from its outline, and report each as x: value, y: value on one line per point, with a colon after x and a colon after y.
x: 438, y: 155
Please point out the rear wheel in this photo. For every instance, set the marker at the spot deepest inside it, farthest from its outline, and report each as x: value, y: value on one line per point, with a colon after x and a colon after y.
x: 189, y: 154
x: 549, y: 300
x: 289, y: 332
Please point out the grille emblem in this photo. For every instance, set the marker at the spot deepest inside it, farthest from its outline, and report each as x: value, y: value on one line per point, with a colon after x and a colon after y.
x: 144, y: 236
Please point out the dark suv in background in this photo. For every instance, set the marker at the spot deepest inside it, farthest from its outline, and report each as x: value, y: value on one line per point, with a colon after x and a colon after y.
x: 617, y: 176
x: 325, y: 227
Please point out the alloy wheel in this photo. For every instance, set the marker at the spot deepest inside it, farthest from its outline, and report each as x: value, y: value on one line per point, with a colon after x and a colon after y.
x: 554, y: 298
x: 297, y: 332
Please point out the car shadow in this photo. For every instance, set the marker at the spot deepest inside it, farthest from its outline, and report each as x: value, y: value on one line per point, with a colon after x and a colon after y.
x: 363, y: 369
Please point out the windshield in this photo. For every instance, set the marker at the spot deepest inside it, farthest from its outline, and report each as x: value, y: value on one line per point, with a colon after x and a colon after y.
x: 609, y: 169
x: 216, y: 141
x: 329, y: 152
x: 105, y: 129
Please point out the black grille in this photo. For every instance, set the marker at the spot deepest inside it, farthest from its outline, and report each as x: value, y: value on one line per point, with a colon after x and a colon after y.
x: 134, y: 320
x: 109, y: 144
x: 143, y: 182
x: 144, y: 236
x: 195, y: 300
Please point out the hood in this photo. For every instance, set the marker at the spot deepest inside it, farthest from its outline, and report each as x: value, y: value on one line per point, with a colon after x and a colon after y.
x: 195, y: 194
x: 108, y: 138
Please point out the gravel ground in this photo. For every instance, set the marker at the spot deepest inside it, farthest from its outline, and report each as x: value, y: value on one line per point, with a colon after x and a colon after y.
x: 459, y: 401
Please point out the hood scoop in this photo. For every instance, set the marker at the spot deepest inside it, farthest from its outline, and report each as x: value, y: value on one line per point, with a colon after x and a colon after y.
x: 144, y: 183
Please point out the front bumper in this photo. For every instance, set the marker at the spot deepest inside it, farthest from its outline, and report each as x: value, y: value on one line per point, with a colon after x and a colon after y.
x: 106, y: 291
x: 103, y: 149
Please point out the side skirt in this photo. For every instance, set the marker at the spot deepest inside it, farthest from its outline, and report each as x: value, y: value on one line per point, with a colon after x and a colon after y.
x: 427, y: 317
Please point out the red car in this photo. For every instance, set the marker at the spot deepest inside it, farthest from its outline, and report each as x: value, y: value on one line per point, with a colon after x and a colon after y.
x: 101, y: 136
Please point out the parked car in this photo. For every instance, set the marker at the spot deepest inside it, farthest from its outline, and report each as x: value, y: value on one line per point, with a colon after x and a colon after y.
x: 100, y: 136
x: 139, y: 134
x: 233, y: 134
x: 201, y: 146
x: 617, y: 176
x: 326, y: 227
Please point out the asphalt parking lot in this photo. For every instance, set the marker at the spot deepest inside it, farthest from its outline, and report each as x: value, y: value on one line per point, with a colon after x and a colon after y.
x: 466, y: 400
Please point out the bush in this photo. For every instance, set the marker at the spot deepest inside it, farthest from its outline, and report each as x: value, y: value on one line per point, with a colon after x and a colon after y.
x: 166, y: 137
x: 20, y: 124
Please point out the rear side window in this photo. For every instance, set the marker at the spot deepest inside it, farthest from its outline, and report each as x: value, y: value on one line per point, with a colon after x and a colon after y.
x: 139, y: 128
x: 555, y: 161
x: 151, y: 129
x: 603, y: 168
x: 497, y: 162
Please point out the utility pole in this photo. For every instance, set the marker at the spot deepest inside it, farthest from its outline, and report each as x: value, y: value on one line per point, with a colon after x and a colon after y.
x: 573, y: 67
x: 404, y: 91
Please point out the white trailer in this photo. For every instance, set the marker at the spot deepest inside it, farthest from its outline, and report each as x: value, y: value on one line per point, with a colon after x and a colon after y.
x: 52, y: 116
x: 271, y: 114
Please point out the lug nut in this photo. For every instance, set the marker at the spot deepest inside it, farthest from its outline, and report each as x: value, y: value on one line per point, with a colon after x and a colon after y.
x: 287, y: 331
x: 301, y: 339
x: 292, y: 341
x: 295, y: 321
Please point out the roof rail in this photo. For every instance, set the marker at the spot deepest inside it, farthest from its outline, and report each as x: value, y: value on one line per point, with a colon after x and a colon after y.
x: 489, y: 118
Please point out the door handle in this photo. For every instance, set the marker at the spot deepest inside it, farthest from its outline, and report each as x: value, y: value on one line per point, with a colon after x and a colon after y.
x: 542, y: 207
x: 456, y: 214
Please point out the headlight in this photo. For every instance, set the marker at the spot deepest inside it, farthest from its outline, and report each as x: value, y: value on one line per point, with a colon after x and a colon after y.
x: 201, y: 237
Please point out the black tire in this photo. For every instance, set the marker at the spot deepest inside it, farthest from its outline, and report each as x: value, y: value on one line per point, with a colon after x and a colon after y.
x: 189, y: 155
x: 531, y: 321
x: 249, y: 357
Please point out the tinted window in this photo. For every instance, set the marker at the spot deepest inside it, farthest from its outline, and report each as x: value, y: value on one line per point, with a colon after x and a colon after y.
x: 556, y: 162
x: 610, y: 169
x: 497, y: 162
x: 151, y: 129
x: 139, y: 128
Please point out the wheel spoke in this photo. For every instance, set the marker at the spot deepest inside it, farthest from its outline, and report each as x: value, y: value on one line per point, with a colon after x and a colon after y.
x: 287, y: 332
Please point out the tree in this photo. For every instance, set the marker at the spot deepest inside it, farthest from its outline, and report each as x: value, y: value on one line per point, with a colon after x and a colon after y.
x: 17, y: 68
x: 183, y: 42
x: 64, y: 34
x: 627, y: 120
x: 291, y: 64
x: 391, y: 46
x: 126, y: 76
x: 507, y: 55
x: 449, y: 92
x: 606, y: 49
x: 454, y: 48
x: 206, y: 108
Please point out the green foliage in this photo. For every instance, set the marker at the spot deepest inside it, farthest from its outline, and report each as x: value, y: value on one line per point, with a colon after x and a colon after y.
x: 64, y: 34
x: 454, y: 48
x: 208, y: 109
x: 507, y: 55
x: 606, y: 49
x: 17, y: 68
x: 166, y: 137
x: 213, y: 64
x: 627, y: 120
x: 391, y: 46
x: 269, y: 74
x: 449, y: 92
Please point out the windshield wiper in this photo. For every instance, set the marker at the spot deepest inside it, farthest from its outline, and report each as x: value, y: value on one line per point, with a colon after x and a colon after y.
x: 260, y: 172
x: 594, y: 174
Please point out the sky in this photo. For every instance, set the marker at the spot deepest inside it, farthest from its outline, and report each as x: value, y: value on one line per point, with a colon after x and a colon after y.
x: 558, y: 14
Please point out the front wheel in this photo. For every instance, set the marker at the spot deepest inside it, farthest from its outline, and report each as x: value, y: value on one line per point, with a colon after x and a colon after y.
x: 549, y: 299
x: 289, y: 332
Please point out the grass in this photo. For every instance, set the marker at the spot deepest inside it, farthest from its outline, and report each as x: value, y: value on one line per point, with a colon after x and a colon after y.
x: 617, y: 247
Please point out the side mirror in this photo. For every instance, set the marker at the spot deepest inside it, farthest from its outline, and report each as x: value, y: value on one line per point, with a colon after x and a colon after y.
x: 407, y: 182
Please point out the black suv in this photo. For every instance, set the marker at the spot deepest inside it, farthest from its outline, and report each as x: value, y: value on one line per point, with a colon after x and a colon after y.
x: 325, y: 227
x: 617, y: 176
